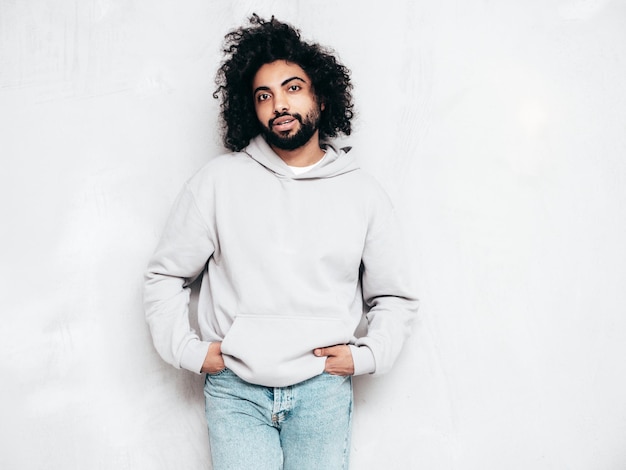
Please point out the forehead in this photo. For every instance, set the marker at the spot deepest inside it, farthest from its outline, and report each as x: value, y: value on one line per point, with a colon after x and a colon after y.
x: 275, y: 73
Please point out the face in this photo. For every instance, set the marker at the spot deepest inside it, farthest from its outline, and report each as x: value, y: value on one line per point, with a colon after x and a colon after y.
x: 286, y: 105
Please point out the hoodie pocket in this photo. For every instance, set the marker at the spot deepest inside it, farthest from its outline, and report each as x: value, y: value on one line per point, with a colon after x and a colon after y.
x: 277, y: 350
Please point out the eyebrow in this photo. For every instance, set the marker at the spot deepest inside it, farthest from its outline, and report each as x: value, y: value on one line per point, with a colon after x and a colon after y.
x: 266, y: 88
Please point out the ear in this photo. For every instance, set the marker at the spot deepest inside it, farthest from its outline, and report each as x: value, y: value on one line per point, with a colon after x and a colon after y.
x: 322, y: 106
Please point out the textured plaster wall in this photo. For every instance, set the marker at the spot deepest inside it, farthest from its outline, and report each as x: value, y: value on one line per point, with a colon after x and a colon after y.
x: 498, y: 128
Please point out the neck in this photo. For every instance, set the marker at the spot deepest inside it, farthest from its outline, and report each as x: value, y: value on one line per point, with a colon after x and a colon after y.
x: 308, y: 154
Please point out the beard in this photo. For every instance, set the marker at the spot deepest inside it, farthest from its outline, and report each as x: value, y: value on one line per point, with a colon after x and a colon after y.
x: 284, y: 141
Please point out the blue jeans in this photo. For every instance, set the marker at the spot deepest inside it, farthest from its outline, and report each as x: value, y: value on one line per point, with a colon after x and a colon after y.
x: 305, y: 426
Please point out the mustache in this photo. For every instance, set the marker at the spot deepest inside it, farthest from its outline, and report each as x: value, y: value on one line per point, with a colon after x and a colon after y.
x: 295, y: 116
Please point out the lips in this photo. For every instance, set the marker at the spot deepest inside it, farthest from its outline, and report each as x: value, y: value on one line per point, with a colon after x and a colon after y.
x: 283, y: 120
x: 283, y: 123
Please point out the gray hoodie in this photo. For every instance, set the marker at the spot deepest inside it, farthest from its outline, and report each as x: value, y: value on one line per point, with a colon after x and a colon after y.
x: 290, y: 263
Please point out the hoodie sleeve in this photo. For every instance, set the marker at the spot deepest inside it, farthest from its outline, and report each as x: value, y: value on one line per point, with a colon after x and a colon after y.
x: 387, y: 290
x: 181, y: 255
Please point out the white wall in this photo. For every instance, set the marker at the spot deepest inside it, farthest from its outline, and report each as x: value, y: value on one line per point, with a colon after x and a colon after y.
x: 499, y: 128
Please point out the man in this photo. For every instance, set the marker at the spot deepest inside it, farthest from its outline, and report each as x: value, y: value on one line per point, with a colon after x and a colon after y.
x: 293, y: 241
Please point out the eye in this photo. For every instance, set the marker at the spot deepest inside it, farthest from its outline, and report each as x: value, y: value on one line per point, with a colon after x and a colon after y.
x: 262, y: 96
x: 294, y: 87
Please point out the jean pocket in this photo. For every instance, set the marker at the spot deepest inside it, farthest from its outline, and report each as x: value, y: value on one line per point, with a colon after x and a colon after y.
x: 218, y: 373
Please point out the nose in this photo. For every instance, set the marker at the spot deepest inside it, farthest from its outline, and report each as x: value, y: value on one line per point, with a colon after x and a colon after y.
x: 281, y: 104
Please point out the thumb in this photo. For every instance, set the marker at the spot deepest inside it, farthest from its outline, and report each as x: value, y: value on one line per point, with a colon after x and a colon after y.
x: 320, y: 352
x: 329, y: 351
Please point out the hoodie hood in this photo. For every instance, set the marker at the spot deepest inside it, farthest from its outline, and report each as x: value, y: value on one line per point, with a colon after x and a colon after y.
x: 337, y: 161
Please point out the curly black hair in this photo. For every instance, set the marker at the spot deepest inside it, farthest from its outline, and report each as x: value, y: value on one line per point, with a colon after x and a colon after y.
x: 247, y: 49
